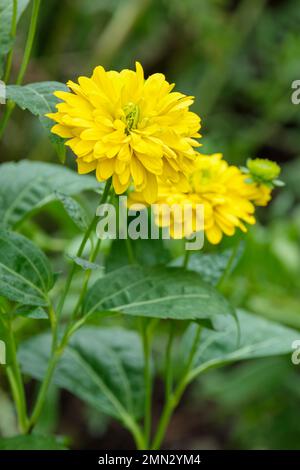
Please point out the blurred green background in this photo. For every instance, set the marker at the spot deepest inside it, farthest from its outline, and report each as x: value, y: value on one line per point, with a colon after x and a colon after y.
x: 239, y: 59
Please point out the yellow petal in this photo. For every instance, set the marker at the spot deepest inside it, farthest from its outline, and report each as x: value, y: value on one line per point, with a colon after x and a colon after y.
x: 62, y: 131
x: 214, y: 234
x: 150, y: 191
x: 118, y: 186
x: 137, y: 171
x: 105, y: 169
x: 84, y: 167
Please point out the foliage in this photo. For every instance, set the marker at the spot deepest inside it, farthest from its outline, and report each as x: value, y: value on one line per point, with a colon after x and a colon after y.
x: 106, y: 322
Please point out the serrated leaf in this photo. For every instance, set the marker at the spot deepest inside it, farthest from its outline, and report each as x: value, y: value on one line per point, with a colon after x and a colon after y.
x: 73, y: 209
x: 32, y: 442
x: 258, y: 338
x: 25, y: 272
x: 27, y: 186
x: 166, y: 293
x: 39, y: 99
x: 102, y: 367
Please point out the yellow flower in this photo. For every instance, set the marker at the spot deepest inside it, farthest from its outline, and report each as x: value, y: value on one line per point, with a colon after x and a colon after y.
x: 128, y: 128
x: 221, y: 189
x: 259, y: 194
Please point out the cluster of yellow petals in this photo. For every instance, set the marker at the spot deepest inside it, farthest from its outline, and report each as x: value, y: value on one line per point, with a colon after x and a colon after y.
x: 222, y: 189
x: 132, y: 129
x: 260, y: 194
x: 142, y: 134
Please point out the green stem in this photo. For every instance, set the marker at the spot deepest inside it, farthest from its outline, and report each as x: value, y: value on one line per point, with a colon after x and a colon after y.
x: 174, y: 398
x: 80, y: 250
x: 186, y: 259
x: 29, y: 42
x: 147, y: 380
x: 86, y: 280
x: 93, y: 255
x: 168, y: 365
x: 229, y: 264
x: 168, y: 410
x: 15, y: 379
x: 58, y: 349
x: 136, y: 432
x: 28, y: 48
x: 43, y: 389
x: 130, y: 252
x: 13, y: 32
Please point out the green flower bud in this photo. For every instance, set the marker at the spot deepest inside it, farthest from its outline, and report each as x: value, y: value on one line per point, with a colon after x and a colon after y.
x: 263, y: 171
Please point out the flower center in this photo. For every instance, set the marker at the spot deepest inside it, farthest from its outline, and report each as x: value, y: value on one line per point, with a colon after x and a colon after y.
x: 201, y: 178
x: 132, y: 114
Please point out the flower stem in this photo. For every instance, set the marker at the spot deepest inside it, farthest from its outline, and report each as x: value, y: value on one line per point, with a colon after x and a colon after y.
x: 130, y: 252
x: 168, y: 366
x: 15, y: 379
x: 86, y: 281
x: 229, y: 266
x: 13, y: 32
x: 186, y: 259
x: 30, y: 40
x: 93, y: 255
x: 147, y: 380
x: 80, y: 250
x: 58, y: 349
x: 28, y: 48
x: 173, y: 399
x: 168, y: 410
x: 43, y: 390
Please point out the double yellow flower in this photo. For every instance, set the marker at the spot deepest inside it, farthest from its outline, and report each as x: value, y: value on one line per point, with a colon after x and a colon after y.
x: 142, y: 134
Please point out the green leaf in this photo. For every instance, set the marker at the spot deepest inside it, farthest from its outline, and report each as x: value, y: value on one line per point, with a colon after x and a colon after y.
x: 39, y: 99
x: 74, y: 210
x: 33, y: 442
x: 6, y: 15
x: 166, y: 293
x: 146, y: 252
x: 27, y: 186
x: 211, y: 266
x: 258, y: 338
x: 25, y: 272
x: 103, y: 367
x: 28, y: 311
x: 57, y: 142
